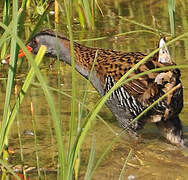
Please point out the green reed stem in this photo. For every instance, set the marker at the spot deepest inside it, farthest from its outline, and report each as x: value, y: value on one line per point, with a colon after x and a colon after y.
x: 87, y: 85
x: 105, y: 152
x: 11, y: 74
x: 91, y: 161
x: 42, y: 17
x: 9, y: 169
x: 20, y: 143
x: 35, y: 141
x: 171, y: 11
x: 6, y: 11
x: 21, y: 95
x: 120, y: 34
x: 125, y: 164
x: 21, y: 149
x: 142, y: 25
x: 68, y: 11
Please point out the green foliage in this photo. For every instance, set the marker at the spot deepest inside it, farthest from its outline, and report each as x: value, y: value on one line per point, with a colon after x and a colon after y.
x: 86, y: 9
x: 125, y: 164
x: 68, y: 157
x: 171, y: 11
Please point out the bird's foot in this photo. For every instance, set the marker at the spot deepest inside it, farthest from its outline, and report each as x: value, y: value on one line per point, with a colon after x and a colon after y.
x: 131, y: 133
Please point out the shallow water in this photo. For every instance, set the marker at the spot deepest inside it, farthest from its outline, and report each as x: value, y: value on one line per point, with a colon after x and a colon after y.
x: 152, y: 156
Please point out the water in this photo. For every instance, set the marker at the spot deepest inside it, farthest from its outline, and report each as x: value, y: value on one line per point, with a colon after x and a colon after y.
x: 152, y: 157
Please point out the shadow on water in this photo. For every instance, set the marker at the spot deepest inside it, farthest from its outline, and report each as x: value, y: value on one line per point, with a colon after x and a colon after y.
x: 153, y: 157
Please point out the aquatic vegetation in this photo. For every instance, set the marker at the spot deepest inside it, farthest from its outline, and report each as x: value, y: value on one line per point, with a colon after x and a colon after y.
x: 75, y: 158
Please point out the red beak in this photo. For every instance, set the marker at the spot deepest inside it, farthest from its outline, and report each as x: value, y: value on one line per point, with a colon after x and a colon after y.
x: 20, y: 55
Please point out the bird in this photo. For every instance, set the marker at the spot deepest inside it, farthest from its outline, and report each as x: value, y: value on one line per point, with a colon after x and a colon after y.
x: 133, y: 97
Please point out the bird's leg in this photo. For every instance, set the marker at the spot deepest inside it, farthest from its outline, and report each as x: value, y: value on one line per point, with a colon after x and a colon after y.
x: 130, y: 128
x: 172, y: 130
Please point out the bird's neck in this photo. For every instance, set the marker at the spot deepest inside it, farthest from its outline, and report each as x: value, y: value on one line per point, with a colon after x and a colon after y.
x: 83, y: 56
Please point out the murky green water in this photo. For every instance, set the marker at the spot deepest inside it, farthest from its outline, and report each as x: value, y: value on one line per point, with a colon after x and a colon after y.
x: 153, y: 157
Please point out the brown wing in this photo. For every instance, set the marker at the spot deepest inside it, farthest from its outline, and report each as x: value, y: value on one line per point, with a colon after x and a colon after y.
x: 141, y: 90
x: 144, y: 88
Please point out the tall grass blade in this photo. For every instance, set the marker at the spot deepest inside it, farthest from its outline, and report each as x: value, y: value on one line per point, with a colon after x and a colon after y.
x: 68, y: 10
x: 171, y: 11
x: 21, y: 18
x: 6, y: 11
x: 91, y: 161
x: 8, y: 168
x: 49, y: 100
x: 125, y: 164
x: 20, y: 97
x: 143, y: 25
x: 19, y: 137
x: 77, y: 163
x: 42, y: 17
x: 35, y: 141
x: 106, y: 151
x: 87, y: 11
x: 121, y: 34
x: 80, y: 14
x: 52, y: 108
x: 87, y: 85
x: 11, y: 74
x: 56, y: 17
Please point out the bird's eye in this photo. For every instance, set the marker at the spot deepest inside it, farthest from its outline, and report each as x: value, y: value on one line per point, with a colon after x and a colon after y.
x: 35, y: 41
